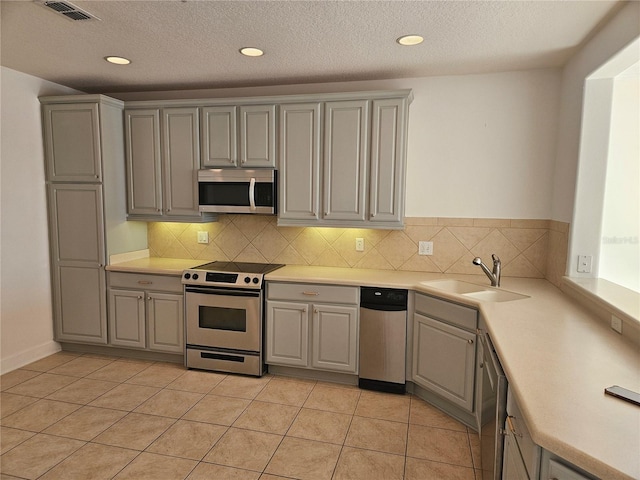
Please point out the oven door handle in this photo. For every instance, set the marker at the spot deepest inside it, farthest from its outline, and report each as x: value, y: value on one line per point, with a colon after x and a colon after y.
x: 220, y: 291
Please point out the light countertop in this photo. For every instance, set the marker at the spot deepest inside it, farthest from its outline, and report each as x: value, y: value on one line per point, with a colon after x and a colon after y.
x: 557, y: 355
x: 558, y: 358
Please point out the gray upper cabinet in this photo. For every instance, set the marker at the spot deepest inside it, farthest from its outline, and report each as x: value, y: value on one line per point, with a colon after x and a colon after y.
x: 144, y: 174
x: 345, y: 160
x: 239, y: 136
x: 388, y: 143
x: 163, y: 157
x: 299, y: 161
x: 219, y: 137
x: 181, y: 154
x: 342, y: 160
x: 257, y: 136
x: 72, y: 142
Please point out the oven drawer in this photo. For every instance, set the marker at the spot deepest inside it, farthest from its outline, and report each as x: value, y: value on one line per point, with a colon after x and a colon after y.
x: 137, y: 281
x: 306, y: 292
x: 224, y: 362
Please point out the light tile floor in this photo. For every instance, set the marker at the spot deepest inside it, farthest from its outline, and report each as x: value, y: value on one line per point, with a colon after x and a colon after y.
x: 72, y: 416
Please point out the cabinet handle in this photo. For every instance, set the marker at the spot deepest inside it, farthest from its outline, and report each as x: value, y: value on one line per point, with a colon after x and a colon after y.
x: 512, y: 426
x: 144, y: 282
x: 315, y: 294
x: 470, y: 342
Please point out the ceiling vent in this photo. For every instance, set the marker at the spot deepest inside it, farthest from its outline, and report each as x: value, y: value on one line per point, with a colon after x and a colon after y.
x: 69, y: 10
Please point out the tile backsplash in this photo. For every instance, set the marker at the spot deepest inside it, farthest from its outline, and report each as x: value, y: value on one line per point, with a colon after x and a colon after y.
x: 527, y: 248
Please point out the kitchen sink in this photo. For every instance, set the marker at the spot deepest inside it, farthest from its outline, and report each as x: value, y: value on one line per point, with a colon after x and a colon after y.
x: 471, y: 290
x: 495, y: 295
x: 454, y: 286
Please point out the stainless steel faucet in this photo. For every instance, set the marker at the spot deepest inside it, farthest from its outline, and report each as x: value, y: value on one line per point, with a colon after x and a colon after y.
x: 497, y: 267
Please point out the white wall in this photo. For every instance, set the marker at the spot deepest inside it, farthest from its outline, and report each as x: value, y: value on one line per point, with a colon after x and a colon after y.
x: 616, y: 34
x: 26, y: 325
x: 479, y: 145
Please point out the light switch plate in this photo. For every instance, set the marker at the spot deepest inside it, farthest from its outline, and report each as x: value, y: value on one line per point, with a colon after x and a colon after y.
x: 203, y: 237
x: 359, y: 244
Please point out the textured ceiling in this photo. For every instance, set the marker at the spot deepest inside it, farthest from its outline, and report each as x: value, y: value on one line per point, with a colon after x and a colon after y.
x: 194, y: 44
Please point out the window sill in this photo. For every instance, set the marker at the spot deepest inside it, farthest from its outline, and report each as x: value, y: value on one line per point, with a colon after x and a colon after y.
x: 605, y: 299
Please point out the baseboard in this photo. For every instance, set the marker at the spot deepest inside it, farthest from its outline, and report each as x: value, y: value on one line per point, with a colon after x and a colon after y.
x: 28, y: 356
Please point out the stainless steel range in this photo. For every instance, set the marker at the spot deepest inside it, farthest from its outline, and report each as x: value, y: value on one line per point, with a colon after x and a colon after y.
x: 224, y: 305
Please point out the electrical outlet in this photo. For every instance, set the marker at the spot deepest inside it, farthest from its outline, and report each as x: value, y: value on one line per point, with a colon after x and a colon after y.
x: 203, y: 237
x: 616, y: 324
x: 425, y: 248
x: 359, y: 244
x: 584, y: 263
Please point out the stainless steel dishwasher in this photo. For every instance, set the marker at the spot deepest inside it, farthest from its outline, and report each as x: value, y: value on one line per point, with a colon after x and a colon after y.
x: 383, y: 339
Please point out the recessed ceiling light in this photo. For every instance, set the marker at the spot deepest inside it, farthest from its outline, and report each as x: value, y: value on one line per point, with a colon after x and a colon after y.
x: 408, y: 40
x: 251, y: 52
x: 118, y: 60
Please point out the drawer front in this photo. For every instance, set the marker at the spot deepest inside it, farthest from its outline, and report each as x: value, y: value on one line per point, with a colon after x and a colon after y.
x: 452, y: 313
x: 313, y: 293
x: 164, y: 283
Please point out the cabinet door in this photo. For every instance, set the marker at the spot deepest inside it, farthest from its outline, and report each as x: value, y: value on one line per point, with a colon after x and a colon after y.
x: 386, y: 187
x: 512, y: 465
x: 346, y: 126
x: 287, y: 333
x: 127, y: 318
x: 219, y: 137
x: 257, y: 136
x: 80, y: 313
x: 72, y: 142
x: 299, y: 157
x: 444, y: 360
x: 76, y: 226
x: 166, y: 322
x: 181, y: 160
x: 144, y: 174
x: 335, y: 338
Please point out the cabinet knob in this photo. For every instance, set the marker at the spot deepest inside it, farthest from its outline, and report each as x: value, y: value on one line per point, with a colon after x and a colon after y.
x: 139, y: 297
x: 470, y: 342
x: 304, y: 309
x: 373, y: 215
x: 315, y: 310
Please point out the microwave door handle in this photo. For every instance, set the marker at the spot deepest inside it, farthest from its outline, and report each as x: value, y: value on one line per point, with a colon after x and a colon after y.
x: 252, y: 193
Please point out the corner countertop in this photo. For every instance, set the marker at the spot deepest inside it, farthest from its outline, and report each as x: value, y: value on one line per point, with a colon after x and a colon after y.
x: 558, y: 358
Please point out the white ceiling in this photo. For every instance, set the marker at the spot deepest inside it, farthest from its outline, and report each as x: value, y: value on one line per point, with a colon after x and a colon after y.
x: 194, y: 44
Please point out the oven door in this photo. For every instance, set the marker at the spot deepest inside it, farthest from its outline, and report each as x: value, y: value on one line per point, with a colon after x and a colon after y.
x: 224, y: 318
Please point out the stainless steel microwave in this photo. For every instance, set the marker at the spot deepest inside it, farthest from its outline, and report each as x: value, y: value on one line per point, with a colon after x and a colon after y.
x: 238, y: 191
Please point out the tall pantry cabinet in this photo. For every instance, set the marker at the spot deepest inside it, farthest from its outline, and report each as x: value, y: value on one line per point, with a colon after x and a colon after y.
x: 85, y: 177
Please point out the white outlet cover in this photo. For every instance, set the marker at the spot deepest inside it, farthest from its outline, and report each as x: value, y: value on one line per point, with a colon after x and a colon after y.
x: 203, y: 237
x: 359, y: 244
x: 425, y: 248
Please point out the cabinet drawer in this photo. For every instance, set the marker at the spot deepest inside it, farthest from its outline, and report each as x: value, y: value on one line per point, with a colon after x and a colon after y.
x: 452, y: 313
x: 528, y: 448
x: 165, y: 283
x: 308, y: 292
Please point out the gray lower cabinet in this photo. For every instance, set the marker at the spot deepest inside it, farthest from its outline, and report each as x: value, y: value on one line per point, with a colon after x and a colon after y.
x: 84, y: 161
x: 312, y: 334
x: 342, y: 163
x: 444, y: 350
x: 148, y: 317
x: 162, y: 159
x: 513, y: 467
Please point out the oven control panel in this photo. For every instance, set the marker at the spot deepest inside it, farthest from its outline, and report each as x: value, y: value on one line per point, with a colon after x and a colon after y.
x: 222, y: 279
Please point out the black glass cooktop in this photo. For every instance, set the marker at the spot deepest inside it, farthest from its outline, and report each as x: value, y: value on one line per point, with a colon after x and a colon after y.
x: 240, y: 267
